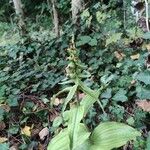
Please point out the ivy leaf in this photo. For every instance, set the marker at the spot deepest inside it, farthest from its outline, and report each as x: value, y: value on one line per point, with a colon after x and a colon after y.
x: 13, y: 129
x: 144, y: 77
x: 12, y: 100
x: 146, y: 36
x: 107, y: 94
x: 93, y: 42
x: 113, y: 38
x: 83, y: 40
x: 120, y: 96
x: 148, y: 143
x: 4, y: 146
x: 143, y: 93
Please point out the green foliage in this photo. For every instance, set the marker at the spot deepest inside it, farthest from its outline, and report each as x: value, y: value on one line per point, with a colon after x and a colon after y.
x: 106, y: 136
x: 31, y: 70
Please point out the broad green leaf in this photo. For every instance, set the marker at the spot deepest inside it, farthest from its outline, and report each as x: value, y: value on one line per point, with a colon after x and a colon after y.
x: 84, y: 146
x: 83, y: 134
x: 57, y: 122
x: 90, y: 98
x: 111, y: 135
x: 60, y: 141
x: 70, y: 95
x: 76, y: 116
x: 120, y: 96
x: 88, y: 101
x: 88, y: 91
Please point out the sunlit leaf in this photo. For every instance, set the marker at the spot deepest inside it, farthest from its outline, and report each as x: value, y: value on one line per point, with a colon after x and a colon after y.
x: 111, y: 135
x: 26, y: 131
x: 76, y: 116
x: 60, y: 141
x: 70, y: 95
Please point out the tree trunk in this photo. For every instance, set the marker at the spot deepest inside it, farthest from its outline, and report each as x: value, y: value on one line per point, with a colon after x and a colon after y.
x: 18, y: 7
x: 20, y: 14
x: 76, y: 7
x: 55, y: 18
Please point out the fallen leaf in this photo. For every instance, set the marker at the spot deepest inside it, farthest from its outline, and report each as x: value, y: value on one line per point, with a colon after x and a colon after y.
x: 5, y: 107
x: 14, y: 147
x: 2, y: 125
x: 43, y: 133
x: 57, y: 101
x: 81, y: 95
x: 136, y: 56
x: 133, y: 82
x: 119, y: 55
x: 3, y: 139
x: 144, y: 104
x: 148, y: 47
x: 26, y: 131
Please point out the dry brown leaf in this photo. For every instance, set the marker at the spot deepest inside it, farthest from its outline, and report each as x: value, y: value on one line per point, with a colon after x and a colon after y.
x: 2, y: 125
x: 81, y: 95
x: 43, y: 133
x: 5, y: 107
x: 14, y: 147
x: 119, y: 55
x: 57, y: 101
x: 3, y: 139
x: 148, y: 47
x: 26, y: 131
x: 136, y: 56
x: 144, y: 104
x: 133, y: 82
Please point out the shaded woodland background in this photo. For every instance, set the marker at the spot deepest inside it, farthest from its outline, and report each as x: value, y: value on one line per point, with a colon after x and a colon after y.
x: 112, y: 37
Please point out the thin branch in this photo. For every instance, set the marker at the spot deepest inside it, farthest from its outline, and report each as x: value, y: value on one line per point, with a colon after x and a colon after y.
x: 55, y: 18
x: 147, y: 16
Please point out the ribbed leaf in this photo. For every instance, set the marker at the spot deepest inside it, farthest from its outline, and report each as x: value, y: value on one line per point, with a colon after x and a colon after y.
x: 70, y: 95
x: 88, y: 91
x: 83, y: 135
x: 144, y: 77
x: 111, y: 135
x: 84, y: 146
x: 88, y: 101
x: 60, y: 141
x: 76, y: 116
